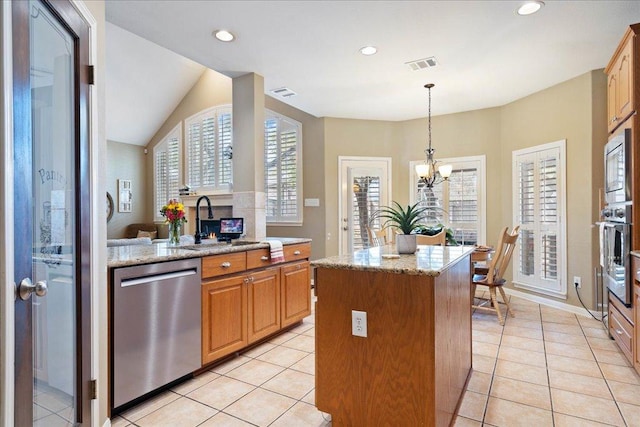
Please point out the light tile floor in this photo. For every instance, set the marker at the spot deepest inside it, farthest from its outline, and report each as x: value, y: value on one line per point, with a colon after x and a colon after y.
x: 545, y: 367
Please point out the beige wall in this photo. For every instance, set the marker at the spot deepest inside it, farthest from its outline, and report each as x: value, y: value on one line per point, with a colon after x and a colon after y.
x: 313, y: 178
x: 123, y: 162
x: 454, y: 135
x: 210, y: 90
x: 573, y: 110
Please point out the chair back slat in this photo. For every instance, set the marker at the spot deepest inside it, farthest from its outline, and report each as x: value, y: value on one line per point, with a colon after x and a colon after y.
x: 502, y: 255
x: 376, y: 237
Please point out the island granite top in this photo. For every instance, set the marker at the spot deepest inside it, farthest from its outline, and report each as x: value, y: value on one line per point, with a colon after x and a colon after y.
x: 124, y: 256
x: 428, y: 260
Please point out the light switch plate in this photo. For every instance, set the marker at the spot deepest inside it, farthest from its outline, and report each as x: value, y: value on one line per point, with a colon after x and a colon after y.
x: 312, y: 202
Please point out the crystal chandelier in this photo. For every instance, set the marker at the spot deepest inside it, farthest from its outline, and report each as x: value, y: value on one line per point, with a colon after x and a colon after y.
x: 428, y: 173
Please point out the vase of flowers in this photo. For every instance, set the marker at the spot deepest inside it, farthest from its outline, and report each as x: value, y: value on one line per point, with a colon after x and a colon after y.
x: 174, y: 213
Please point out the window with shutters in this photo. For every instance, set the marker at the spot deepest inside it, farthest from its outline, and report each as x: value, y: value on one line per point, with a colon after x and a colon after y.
x: 208, y: 149
x: 539, y: 200
x: 166, y: 164
x: 459, y: 202
x: 283, y: 169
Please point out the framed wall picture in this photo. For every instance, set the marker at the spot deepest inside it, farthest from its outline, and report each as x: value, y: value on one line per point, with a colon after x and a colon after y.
x: 124, y: 195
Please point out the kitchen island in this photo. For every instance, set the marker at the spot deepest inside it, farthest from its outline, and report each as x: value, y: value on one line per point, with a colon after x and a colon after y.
x: 412, y: 367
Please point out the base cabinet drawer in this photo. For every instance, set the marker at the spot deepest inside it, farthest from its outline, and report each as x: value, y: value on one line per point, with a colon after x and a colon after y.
x: 220, y: 265
x: 297, y: 252
x: 622, y: 331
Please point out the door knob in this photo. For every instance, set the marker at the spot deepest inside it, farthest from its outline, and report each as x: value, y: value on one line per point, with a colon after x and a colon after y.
x: 26, y: 288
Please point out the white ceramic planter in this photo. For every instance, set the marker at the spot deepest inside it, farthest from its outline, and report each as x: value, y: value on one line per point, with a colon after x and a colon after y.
x: 406, y: 243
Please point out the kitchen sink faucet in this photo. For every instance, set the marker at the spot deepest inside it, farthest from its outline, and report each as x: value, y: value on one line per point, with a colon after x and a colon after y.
x: 197, y: 236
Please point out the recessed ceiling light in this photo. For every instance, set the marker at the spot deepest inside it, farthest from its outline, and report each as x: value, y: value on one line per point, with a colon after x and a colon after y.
x: 368, y: 50
x: 224, y: 35
x: 530, y: 7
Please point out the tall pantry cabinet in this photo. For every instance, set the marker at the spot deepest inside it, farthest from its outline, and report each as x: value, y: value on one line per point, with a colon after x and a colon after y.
x: 623, y: 98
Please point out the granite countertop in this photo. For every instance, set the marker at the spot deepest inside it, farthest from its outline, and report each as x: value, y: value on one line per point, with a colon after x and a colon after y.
x: 124, y: 256
x: 635, y: 253
x: 428, y: 260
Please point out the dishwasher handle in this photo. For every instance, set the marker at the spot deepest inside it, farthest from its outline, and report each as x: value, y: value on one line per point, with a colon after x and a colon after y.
x: 157, y: 277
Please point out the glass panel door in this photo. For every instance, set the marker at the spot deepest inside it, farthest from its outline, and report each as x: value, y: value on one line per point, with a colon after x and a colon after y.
x: 54, y: 251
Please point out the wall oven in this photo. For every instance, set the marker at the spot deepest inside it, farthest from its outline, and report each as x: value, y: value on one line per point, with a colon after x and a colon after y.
x: 615, y: 239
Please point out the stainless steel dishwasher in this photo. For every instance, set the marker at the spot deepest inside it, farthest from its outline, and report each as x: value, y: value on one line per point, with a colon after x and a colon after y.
x: 155, y: 326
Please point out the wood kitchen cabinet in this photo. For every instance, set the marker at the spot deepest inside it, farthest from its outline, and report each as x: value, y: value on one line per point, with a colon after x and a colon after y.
x: 264, y: 303
x: 224, y: 317
x: 622, y: 88
x: 295, y: 293
x: 245, y: 298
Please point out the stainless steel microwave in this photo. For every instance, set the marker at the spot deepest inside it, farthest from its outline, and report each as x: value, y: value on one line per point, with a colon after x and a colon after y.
x: 617, y: 169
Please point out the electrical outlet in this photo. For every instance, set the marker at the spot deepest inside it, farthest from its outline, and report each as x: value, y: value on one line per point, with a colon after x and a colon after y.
x: 359, y: 323
x: 577, y: 281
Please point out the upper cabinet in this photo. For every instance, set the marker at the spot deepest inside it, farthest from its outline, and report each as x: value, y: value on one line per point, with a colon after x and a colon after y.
x: 622, y: 88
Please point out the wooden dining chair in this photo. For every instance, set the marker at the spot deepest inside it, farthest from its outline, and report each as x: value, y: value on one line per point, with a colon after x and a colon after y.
x: 494, y: 277
x: 436, y: 239
x: 377, y: 237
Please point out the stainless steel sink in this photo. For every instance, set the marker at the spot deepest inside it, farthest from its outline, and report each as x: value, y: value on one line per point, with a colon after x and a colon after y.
x: 202, y: 247
x: 243, y: 242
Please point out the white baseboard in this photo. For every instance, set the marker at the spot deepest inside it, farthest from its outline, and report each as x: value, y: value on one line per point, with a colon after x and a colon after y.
x: 550, y: 303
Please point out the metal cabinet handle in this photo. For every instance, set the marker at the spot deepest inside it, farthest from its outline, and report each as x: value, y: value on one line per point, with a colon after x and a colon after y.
x: 251, y: 279
x: 245, y: 280
x: 296, y: 252
x: 618, y: 331
x: 225, y: 264
x: 264, y: 258
x: 26, y: 288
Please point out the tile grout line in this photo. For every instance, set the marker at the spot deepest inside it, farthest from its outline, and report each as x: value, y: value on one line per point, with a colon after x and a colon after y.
x: 613, y: 396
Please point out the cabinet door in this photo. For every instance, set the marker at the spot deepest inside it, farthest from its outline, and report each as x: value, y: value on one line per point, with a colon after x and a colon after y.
x: 624, y: 72
x: 264, y: 303
x: 612, y: 105
x: 224, y: 314
x: 296, y: 292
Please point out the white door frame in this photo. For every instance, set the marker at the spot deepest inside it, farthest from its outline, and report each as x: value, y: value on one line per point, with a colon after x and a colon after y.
x: 344, y: 162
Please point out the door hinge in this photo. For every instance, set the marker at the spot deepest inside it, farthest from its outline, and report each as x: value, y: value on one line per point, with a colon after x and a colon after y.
x: 93, y: 389
x: 91, y: 74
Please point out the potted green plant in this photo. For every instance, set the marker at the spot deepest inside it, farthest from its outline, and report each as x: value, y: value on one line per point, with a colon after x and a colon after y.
x: 432, y: 230
x: 406, y: 221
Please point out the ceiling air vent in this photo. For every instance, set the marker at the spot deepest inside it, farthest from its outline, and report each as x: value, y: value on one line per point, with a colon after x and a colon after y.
x: 283, y: 92
x: 421, y: 64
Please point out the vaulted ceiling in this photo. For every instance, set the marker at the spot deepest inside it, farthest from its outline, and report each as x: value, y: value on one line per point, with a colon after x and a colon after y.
x: 486, y: 54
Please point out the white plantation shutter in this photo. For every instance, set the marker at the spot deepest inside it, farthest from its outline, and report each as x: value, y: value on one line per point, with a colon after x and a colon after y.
x: 366, y: 201
x: 283, y: 169
x: 166, y: 170
x: 208, y: 147
x: 539, y: 200
x: 457, y: 202
x: 225, y: 147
